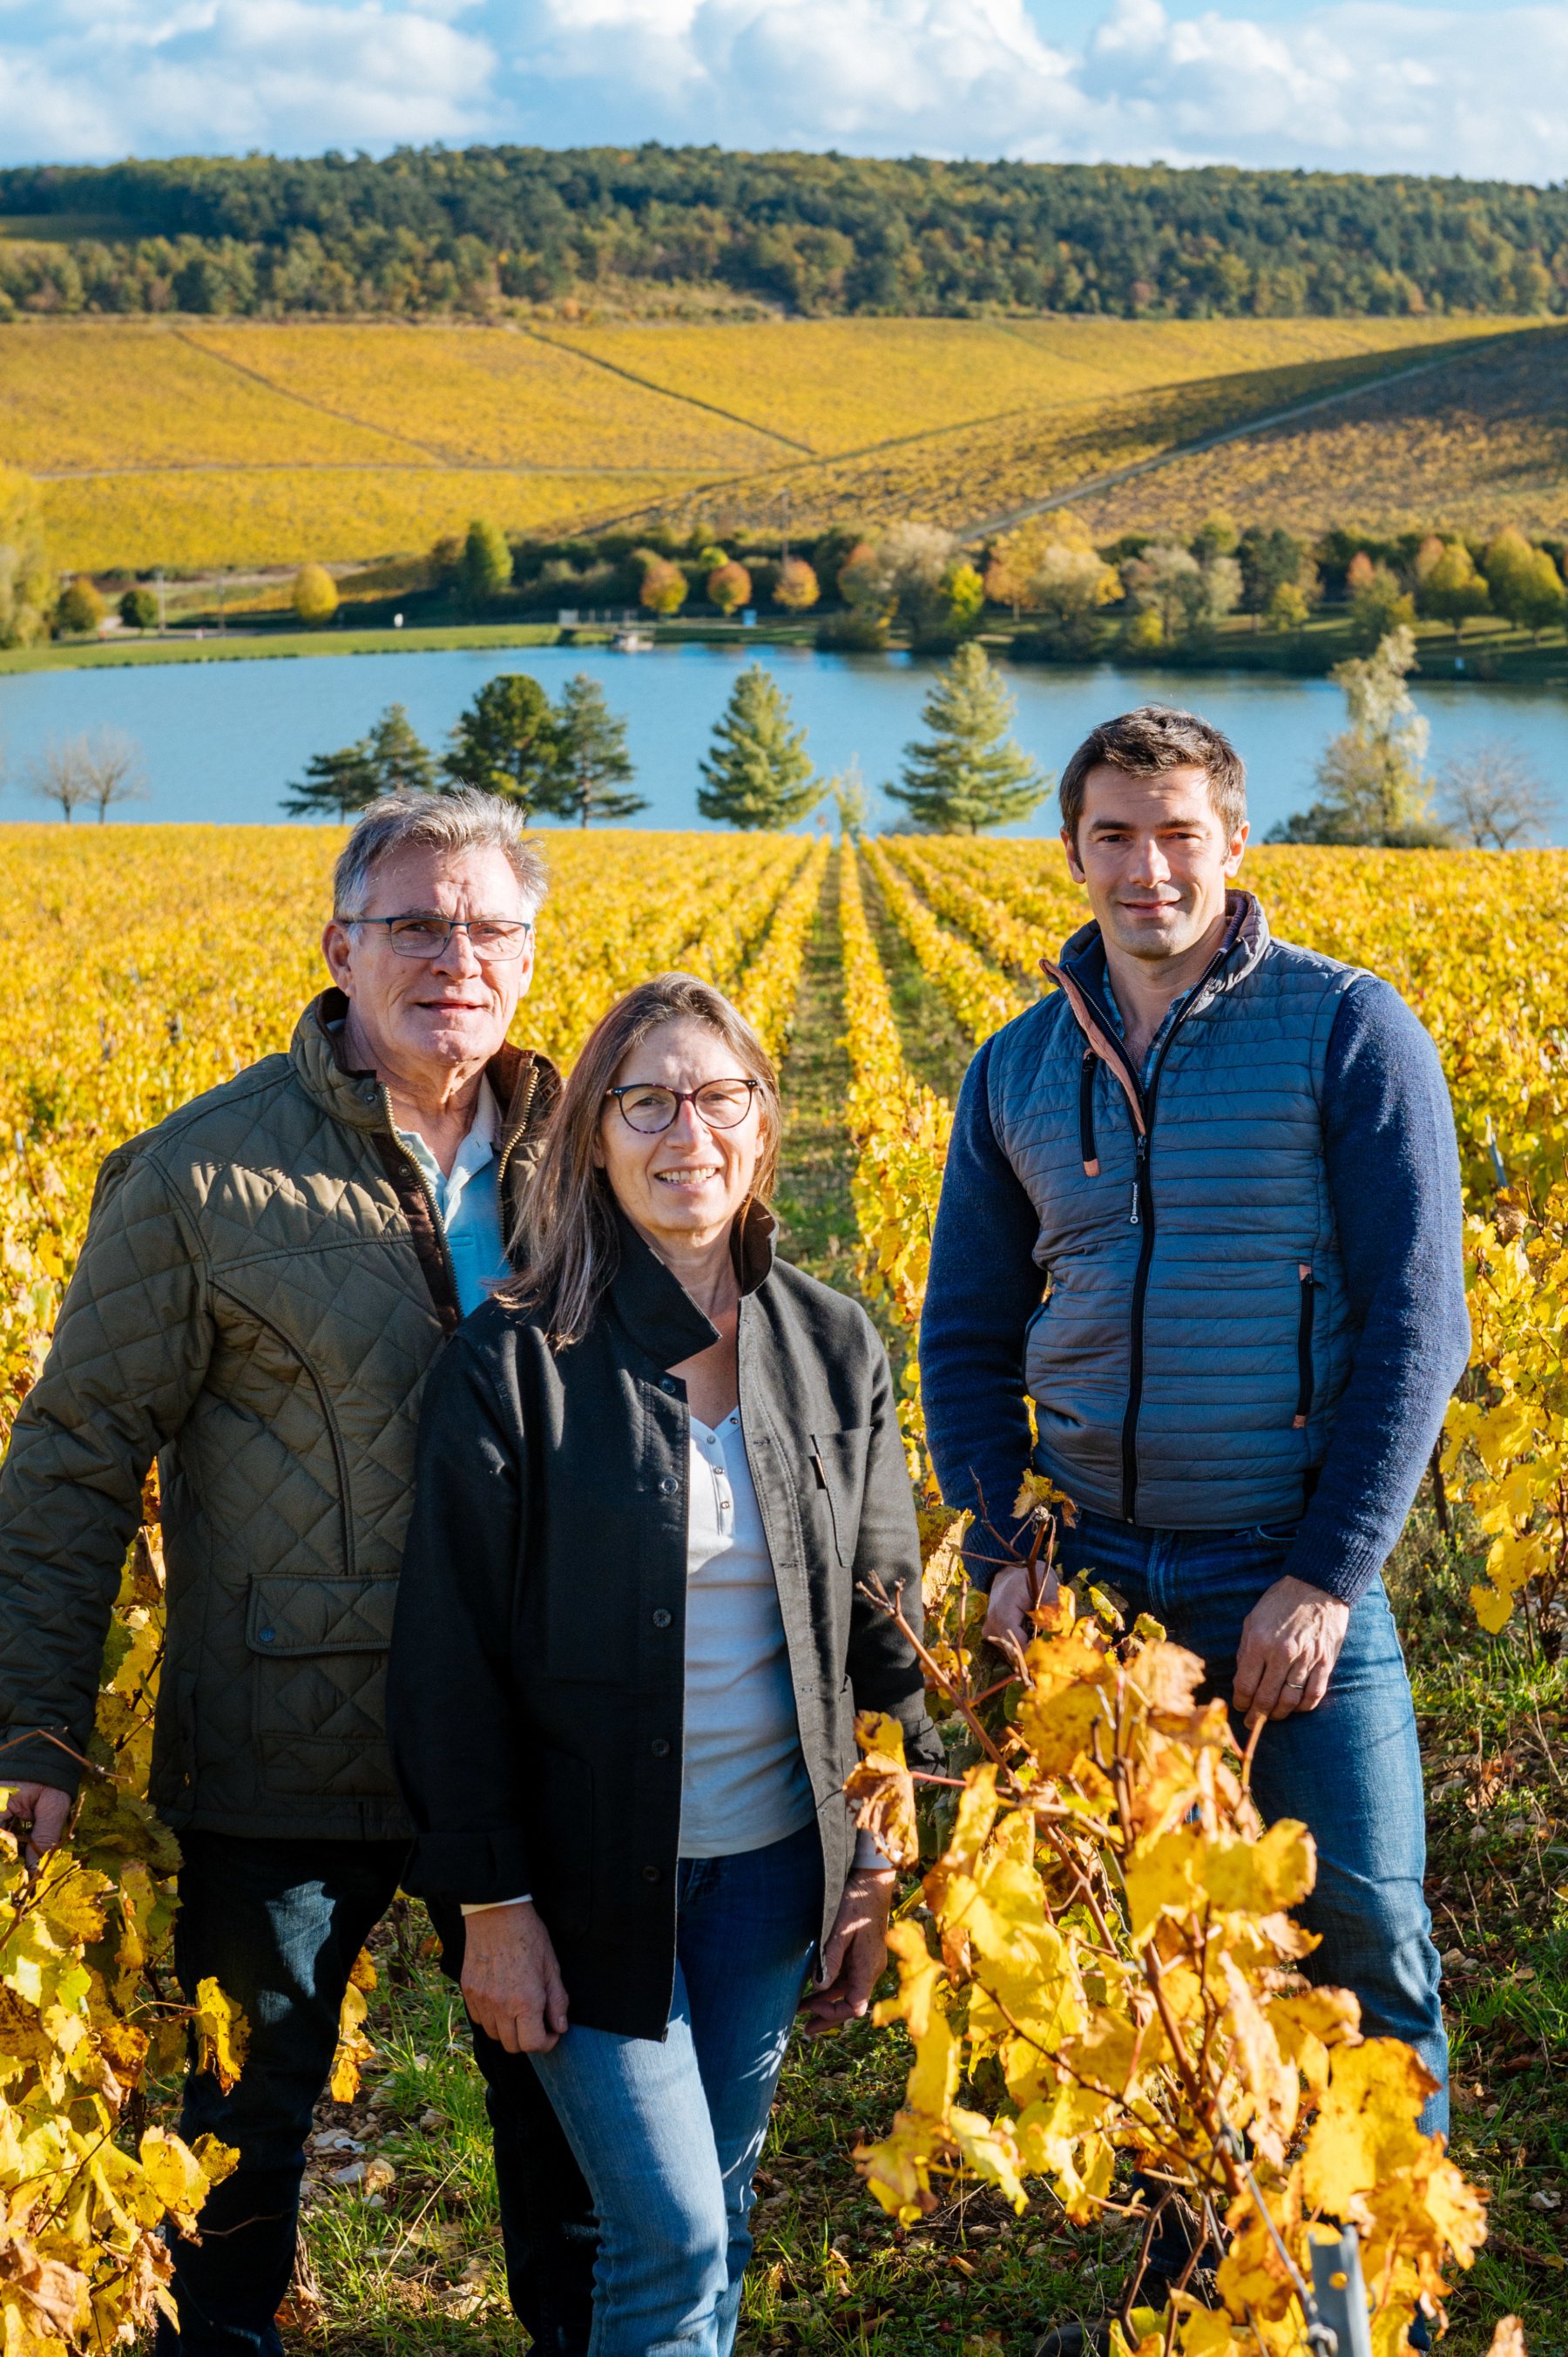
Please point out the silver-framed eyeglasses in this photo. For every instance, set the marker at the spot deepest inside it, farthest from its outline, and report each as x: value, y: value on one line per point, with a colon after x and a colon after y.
x: 647, y: 1108
x: 493, y: 940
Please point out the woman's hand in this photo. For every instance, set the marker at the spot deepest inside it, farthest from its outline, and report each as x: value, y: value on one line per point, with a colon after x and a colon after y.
x: 855, y: 1954
x: 511, y: 1983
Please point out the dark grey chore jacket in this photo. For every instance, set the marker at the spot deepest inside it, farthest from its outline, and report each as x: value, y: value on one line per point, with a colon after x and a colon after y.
x: 538, y: 1662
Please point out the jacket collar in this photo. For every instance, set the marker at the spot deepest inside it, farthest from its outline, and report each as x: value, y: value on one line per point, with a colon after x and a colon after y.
x: 524, y: 1083
x: 1241, y: 951
x: 1081, y: 973
x: 654, y: 1306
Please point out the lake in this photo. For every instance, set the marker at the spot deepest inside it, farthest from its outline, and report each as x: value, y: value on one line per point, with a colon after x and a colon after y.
x: 221, y: 741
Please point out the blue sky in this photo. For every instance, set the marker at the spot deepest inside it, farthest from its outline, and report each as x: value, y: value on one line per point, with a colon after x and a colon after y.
x: 1479, y: 87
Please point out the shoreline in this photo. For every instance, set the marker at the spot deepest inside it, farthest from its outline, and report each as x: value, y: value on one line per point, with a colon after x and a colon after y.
x: 1490, y: 659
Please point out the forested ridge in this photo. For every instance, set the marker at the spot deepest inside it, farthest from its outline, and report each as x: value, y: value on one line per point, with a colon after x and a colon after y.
x: 483, y: 229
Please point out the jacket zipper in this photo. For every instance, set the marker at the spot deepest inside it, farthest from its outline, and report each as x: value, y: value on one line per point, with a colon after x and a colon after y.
x: 518, y: 1130
x: 1303, y: 1346
x: 1086, y: 1145
x: 1142, y: 1216
x: 436, y: 1221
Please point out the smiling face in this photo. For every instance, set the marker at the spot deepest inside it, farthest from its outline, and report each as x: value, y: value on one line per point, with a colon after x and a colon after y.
x: 429, y: 1018
x: 1155, y: 857
x: 682, y: 1187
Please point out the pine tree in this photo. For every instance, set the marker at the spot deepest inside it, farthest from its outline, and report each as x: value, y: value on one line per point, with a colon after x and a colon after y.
x: 967, y: 772
x: 402, y: 764
x: 759, y: 772
x: 341, y: 782
x: 591, y: 758
x: 505, y: 742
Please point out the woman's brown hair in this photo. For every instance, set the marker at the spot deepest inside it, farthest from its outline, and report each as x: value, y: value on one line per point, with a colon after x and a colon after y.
x: 567, y: 1238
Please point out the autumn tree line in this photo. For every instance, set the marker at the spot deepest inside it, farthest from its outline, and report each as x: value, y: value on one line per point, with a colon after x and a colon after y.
x: 482, y: 230
x: 1142, y: 594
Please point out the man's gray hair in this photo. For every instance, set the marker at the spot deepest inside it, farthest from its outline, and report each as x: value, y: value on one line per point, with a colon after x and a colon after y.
x: 465, y: 819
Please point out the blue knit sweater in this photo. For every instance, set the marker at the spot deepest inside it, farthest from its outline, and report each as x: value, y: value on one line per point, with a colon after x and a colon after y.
x: 1393, y: 1176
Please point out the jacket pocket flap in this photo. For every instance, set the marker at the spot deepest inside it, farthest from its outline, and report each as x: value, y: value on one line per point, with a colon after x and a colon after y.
x: 320, y: 1616
x: 838, y: 1459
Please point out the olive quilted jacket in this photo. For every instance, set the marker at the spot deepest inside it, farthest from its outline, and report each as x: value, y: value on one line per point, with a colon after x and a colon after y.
x: 262, y: 1291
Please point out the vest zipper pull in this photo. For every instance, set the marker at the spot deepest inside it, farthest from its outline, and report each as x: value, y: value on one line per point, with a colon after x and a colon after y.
x: 1143, y: 1154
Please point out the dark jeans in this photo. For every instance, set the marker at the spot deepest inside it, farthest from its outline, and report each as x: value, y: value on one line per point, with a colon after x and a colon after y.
x: 278, y: 1924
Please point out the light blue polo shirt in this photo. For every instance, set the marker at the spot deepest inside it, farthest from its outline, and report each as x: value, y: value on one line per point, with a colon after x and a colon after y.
x: 468, y: 1199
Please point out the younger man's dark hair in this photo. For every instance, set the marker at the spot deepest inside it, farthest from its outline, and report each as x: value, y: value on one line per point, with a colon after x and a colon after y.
x: 1148, y: 742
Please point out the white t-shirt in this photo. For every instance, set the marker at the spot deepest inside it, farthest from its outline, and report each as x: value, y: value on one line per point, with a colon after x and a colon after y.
x: 744, y: 1783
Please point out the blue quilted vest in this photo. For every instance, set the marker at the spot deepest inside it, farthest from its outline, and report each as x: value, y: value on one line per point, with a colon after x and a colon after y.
x: 1189, y: 1353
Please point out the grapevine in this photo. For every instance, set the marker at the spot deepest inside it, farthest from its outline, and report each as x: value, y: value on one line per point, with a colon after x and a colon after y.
x: 982, y: 998
x: 1109, y: 1950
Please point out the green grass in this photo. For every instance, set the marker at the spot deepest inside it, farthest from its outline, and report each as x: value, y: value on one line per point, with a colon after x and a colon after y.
x: 248, y: 646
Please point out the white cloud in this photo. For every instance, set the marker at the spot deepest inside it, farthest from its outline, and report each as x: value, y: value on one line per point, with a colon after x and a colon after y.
x: 94, y: 79
x: 1374, y: 85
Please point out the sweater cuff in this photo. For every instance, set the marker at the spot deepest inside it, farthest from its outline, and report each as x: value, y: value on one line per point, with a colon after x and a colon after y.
x: 984, y: 1549
x: 474, y: 1866
x: 31, y: 1758
x: 1342, y: 1566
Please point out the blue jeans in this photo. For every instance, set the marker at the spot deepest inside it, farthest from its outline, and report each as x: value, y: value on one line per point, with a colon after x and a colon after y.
x: 669, y: 2131
x: 278, y: 1924
x: 1350, y: 1770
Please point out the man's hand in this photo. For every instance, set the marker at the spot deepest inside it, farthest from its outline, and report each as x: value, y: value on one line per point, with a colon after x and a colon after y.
x: 855, y: 1952
x: 1290, y: 1643
x: 1015, y: 1592
x: 43, y: 1807
x: 511, y: 1983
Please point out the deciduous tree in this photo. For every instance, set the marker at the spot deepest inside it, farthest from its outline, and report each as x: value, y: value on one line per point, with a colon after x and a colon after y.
x: 1267, y: 558
x: 92, y: 771
x: 485, y: 569
x: 663, y: 589
x: 1379, y: 605
x: 27, y: 587
x: 1526, y: 587
x: 139, y: 610
x: 81, y: 608
x: 967, y: 772
x: 729, y: 586
x: 1375, y: 789
x: 1451, y: 589
x: 314, y: 596
x: 1493, y: 798
x: 797, y: 589
x: 758, y: 770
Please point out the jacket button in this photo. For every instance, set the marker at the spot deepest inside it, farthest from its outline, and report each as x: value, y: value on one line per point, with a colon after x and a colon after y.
x: 666, y: 1383
x: 669, y: 1486
x: 651, y: 1874
x: 659, y: 1748
x: 265, y: 1636
x: 661, y: 1619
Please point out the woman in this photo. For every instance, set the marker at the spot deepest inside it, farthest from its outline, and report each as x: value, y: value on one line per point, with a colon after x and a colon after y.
x: 656, y: 1478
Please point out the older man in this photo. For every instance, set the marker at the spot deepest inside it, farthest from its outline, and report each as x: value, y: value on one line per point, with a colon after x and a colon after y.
x: 265, y: 1280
